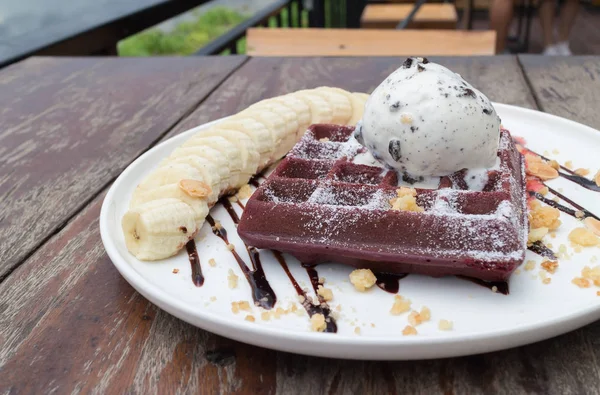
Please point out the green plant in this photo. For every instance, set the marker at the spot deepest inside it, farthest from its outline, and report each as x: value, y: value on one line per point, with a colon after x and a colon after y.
x: 186, y: 38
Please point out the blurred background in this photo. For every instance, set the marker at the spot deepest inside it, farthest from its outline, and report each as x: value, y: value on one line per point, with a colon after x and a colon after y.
x: 174, y: 27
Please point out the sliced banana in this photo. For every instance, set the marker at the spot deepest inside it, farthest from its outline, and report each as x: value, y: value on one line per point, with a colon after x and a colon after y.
x: 229, y: 152
x: 277, y: 125
x: 340, y: 103
x: 320, y: 109
x: 301, y: 109
x: 208, y: 154
x: 217, y: 177
x: 289, y: 115
x: 244, y: 144
x: 262, y: 137
x: 198, y: 205
x: 158, y: 229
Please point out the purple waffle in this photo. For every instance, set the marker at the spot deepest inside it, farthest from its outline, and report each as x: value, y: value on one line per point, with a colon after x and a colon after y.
x: 319, y: 206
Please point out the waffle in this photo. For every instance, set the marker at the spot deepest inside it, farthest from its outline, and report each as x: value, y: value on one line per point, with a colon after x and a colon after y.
x: 319, y: 205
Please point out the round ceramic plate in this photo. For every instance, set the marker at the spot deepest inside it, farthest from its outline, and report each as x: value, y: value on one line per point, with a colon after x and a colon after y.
x: 482, y: 320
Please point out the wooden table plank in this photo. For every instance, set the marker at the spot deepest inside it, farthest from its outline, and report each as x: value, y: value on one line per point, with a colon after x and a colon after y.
x: 69, y: 321
x: 568, y: 86
x: 70, y: 125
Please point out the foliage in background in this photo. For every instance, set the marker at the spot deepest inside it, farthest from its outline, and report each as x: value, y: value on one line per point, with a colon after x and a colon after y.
x: 186, y: 38
x: 189, y: 36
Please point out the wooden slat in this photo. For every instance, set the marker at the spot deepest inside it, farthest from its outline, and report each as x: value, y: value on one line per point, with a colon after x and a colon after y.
x: 368, y: 42
x: 568, y: 86
x: 429, y: 16
x: 69, y: 322
x: 70, y: 125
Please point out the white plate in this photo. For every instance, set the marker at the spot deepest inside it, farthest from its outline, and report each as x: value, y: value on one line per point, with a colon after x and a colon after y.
x: 483, y: 321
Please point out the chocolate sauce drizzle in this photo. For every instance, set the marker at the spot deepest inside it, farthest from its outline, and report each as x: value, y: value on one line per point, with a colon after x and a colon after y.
x: 572, y: 176
x: 542, y: 250
x: 197, y: 276
x: 389, y: 282
x: 262, y: 293
x: 501, y: 286
x: 311, y: 309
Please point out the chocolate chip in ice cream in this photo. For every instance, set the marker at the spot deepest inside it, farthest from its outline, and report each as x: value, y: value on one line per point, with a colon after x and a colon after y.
x: 394, y: 149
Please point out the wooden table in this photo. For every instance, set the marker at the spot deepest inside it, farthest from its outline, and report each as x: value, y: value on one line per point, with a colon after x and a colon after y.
x: 70, y: 323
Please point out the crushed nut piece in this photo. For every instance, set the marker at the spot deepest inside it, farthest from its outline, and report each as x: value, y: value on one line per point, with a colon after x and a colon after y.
x: 357, y: 330
x: 406, y: 118
x: 235, y: 307
x: 244, y: 305
x: 494, y: 289
x: 569, y: 164
x: 212, y: 262
x: 529, y: 265
x: 317, y: 322
x: 230, y: 247
x: 175, y: 271
x: 554, y: 164
x: 543, y: 216
x: 549, y: 266
x: 445, y: 325
x: 244, y: 192
x: 400, y: 305
x: 546, y: 280
x: 539, y: 168
x: 582, y: 172
x: 409, y: 330
x: 265, y: 316
x: 415, y: 318
x: 250, y: 318
x: 406, y: 200
x: 584, y: 237
x: 195, y: 188
x: 593, y: 225
x: 579, y: 214
x: 581, y: 282
x: 555, y: 151
x: 338, y: 307
x: 321, y: 280
x: 597, y: 178
x: 325, y: 293
x: 536, y: 234
x: 213, y: 298
x: 232, y: 279
x: 362, y: 279
x: 544, y: 191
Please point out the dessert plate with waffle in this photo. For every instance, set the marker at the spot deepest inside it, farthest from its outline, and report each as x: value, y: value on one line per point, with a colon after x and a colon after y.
x: 418, y: 221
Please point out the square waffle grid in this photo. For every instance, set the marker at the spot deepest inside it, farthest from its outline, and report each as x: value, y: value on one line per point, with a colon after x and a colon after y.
x: 320, y: 206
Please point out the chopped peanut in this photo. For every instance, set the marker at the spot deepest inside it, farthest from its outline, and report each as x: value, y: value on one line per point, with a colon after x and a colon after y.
x: 409, y: 330
x: 543, y: 216
x: 549, y: 266
x: 317, y: 322
x: 325, y: 293
x: 593, y: 225
x: 400, y: 305
x: 362, y: 279
x: 536, y: 234
x: 445, y: 325
x: 406, y: 200
x: 583, y: 237
x: 195, y: 188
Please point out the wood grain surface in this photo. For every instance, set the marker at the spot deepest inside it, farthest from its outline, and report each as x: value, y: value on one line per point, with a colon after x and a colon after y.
x: 70, y: 125
x: 568, y: 86
x: 69, y: 323
x: 368, y: 42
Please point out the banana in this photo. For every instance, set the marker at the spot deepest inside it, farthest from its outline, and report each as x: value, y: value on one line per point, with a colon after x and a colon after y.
x: 260, y: 135
x: 198, y: 205
x: 244, y: 144
x: 202, y: 154
x: 229, y: 153
x: 320, y: 109
x: 301, y: 109
x: 339, y: 101
x: 289, y: 115
x: 283, y: 141
x: 216, y: 177
x: 158, y: 229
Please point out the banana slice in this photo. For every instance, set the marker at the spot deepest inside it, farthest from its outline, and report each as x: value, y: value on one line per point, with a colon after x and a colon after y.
x: 320, y: 109
x: 158, y: 229
x: 339, y: 101
x: 229, y: 152
x: 198, y: 205
x: 283, y: 141
x: 216, y: 177
x: 363, y: 96
x: 301, y: 109
x: 290, y: 117
x: 244, y: 144
x: 262, y: 137
x: 201, y: 154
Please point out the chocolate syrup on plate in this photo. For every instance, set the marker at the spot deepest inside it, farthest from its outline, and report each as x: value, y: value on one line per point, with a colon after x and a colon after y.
x: 389, y: 282
x: 542, y: 250
x: 197, y: 277
x: 311, y: 309
x: 262, y: 293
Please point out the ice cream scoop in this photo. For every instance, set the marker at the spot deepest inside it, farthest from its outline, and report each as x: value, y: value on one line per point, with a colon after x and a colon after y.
x: 425, y: 120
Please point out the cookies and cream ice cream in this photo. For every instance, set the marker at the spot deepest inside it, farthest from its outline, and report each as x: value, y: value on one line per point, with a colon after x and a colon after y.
x: 425, y: 120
